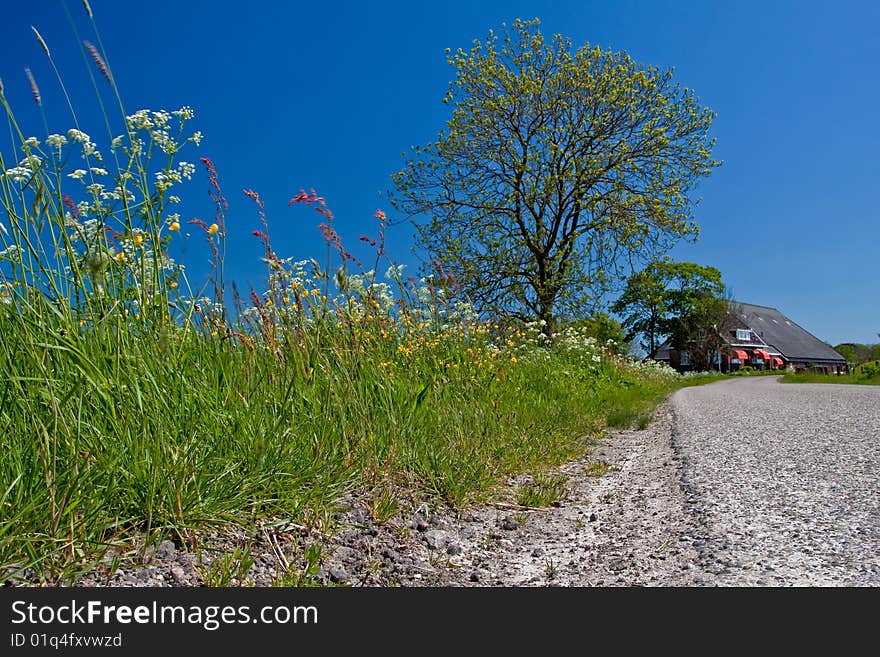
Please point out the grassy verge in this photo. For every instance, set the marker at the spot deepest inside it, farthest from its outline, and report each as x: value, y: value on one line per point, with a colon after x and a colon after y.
x: 108, y: 437
x: 867, y: 374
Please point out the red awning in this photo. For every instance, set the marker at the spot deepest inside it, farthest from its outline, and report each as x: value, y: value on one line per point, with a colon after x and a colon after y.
x: 760, y: 353
x: 778, y: 361
x: 739, y: 353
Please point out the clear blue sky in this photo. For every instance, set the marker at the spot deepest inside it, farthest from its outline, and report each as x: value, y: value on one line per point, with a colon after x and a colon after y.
x: 294, y: 95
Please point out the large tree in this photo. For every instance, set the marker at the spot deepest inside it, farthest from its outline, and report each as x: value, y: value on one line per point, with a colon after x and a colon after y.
x: 555, y: 169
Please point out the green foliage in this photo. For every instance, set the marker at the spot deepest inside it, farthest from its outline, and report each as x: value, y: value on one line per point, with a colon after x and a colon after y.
x: 606, y: 331
x: 865, y: 374
x: 542, y: 491
x: 681, y: 300
x: 555, y: 166
x: 858, y: 353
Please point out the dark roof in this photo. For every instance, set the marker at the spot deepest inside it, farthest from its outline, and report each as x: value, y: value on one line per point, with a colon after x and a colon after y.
x: 791, y: 340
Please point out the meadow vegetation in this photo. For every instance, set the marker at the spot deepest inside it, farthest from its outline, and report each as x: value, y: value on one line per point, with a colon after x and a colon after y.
x: 136, y: 402
x: 864, y: 374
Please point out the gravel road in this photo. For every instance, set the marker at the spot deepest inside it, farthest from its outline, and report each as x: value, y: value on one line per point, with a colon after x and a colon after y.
x: 783, y: 480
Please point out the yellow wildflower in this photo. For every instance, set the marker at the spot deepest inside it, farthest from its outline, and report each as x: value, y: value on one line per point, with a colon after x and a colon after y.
x: 175, y: 226
x: 212, y: 229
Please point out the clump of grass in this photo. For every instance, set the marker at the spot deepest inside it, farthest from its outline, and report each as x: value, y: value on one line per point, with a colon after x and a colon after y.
x: 597, y: 468
x: 544, y: 490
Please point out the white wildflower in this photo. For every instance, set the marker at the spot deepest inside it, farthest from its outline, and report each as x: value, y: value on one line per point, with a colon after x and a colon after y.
x: 140, y: 120
x: 186, y: 170
x: 173, y: 199
x: 19, y: 174
x: 196, y: 137
x: 163, y: 140
x: 98, y: 171
x: 95, y: 189
x: 78, y: 136
x: 11, y: 252
x: 32, y: 142
x: 185, y: 113
x: 83, y: 208
x: 77, y: 174
x: 56, y: 141
x: 31, y: 162
x: 161, y: 117
x: 116, y: 142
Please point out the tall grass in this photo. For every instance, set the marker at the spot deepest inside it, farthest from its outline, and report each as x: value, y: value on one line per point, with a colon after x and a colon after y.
x: 134, y: 401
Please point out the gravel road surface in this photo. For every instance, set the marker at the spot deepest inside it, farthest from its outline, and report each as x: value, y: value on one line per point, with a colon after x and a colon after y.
x: 783, y: 480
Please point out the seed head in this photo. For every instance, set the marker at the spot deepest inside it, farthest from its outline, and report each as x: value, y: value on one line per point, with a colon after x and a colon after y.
x: 99, y: 61
x: 35, y: 90
x: 42, y: 42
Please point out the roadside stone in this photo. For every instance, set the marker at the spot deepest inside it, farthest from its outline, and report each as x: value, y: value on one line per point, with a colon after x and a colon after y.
x: 178, y: 574
x: 509, y: 523
x: 338, y: 575
x: 436, y: 538
x: 166, y: 550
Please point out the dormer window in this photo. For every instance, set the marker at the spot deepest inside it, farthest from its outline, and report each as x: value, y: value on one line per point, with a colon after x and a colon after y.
x: 743, y: 334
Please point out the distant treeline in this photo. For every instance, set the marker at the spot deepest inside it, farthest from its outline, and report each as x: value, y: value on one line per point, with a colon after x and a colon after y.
x: 858, y: 353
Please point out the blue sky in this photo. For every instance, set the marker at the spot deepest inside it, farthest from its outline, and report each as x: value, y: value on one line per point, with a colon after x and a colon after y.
x: 293, y: 95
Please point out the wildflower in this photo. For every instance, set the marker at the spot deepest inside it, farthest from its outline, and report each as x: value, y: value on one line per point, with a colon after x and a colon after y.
x: 98, y: 171
x: 175, y: 226
x: 196, y: 137
x: 186, y: 170
x: 212, y: 229
x: 35, y: 90
x: 56, y: 141
x: 18, y: 174
x: 140, y: 120
x: 11, y: 252
x: 32, y: 142
x: 42, y: 42
x: 138, y: 239
x: 99, y: 62
x: 185, y: 113
x: 116, y: 142
x: 78, y: 136
x: 120, y: 257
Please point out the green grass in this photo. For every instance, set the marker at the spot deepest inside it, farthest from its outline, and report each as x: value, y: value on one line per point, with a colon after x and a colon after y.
x: 866, y: 374
x: 542, y: 491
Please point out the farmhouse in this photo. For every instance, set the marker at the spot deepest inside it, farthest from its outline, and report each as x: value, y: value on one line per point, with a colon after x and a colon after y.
x: 762, y: 338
